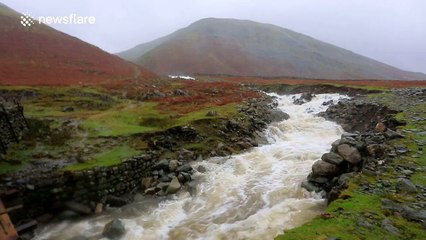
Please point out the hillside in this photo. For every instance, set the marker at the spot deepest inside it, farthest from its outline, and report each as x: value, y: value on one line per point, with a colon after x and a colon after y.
x: 246, y: 48
x: 41, y: 55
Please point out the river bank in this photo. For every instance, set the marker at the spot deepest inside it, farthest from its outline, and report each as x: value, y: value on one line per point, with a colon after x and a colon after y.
x: 384, y: 198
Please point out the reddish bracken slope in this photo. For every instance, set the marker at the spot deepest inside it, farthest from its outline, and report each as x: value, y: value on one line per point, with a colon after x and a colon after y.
x: 40, y: 55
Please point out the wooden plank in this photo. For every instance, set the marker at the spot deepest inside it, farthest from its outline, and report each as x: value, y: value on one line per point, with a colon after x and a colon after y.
x: 7, y: 210
x: 7, y: 230
x: 27, y: 225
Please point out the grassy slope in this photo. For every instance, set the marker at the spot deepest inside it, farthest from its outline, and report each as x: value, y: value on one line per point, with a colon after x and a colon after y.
x: 341, y: 218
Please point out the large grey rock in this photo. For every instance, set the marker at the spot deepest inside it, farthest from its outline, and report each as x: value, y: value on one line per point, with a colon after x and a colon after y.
x: 322, y: 168
x: 405, y: 185
x: 349, y: 153
x: 174, y: 186
x: 114, y: 229
x: 332, y: 158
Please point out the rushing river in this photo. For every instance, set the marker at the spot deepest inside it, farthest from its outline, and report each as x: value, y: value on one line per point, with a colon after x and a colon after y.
x: 254, y: 195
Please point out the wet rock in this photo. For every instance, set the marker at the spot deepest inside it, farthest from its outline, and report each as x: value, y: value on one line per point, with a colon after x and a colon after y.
x: 405, y: 185
x: 162, y: 165
x: 114, y: 229
x: 317, y: 179
x: 326, y: 103
x: 349, y: 153
x: 99, y: 208
x: 68, y: 215
x: 78, y: 207
x: 165, y: 179
x: 174, y: 186
x: 304, y: 98
x: 310, y: 187
x: 332, y: 158
x: 380, y: 127
x: 388, y: 226
x: 173, y: 165
x: 201, y: 169
x: 150, y: 190
x: 114, y: 201
x: 184, y: 168
x: 322, y: 168
x: 278, y: 116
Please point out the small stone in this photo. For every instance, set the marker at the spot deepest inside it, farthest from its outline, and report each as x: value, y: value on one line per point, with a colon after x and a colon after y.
x: 173, y: 165
x: 388, y: 226
x: 405, y: 185
x: 211, y: 113
x: 174, y: 186
x: 201, y: 169
x: 380, y: 127
x: 99, y: 208
x: 114, y: 229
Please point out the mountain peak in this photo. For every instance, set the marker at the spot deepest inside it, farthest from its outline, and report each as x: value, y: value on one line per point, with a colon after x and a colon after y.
x: 247, y: 48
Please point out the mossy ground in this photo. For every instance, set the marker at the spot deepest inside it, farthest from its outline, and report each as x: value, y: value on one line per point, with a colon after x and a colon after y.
x: 343, y: 216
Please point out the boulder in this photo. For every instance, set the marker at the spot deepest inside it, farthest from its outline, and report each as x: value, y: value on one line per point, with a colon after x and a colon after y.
x: 349, y: 153
x: 332, y: 158
x: 174, y: 186
x: 114, y: 229
x: 322, y: 168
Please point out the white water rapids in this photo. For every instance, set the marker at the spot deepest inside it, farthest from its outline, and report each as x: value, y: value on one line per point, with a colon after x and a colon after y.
x: 254, y: 195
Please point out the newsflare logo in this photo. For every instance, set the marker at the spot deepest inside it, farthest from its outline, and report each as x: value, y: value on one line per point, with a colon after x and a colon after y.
x: 27, y: 20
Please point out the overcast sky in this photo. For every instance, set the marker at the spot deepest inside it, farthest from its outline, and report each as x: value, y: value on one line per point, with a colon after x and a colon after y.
x: 391, y: 31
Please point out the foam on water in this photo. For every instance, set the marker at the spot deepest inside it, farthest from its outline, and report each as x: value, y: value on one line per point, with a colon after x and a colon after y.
x: 254, y: 195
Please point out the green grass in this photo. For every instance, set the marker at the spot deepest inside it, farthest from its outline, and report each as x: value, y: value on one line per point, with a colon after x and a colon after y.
x: 107, y: 158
